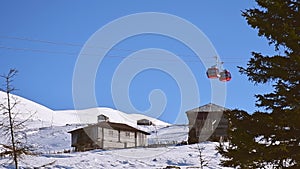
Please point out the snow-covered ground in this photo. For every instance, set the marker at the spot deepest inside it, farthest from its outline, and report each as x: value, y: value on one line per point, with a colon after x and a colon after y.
x: 172, y: 134
x: 51, y: 141
x: 57, y: 139
x: 183, y: 156
x: 47, y: 132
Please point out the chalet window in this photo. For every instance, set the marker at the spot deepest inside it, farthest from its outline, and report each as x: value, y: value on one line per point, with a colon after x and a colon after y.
x: 127, y: 134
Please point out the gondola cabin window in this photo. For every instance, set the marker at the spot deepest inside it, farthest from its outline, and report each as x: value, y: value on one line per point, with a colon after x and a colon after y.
x: 212, y: 72
x: 225, y: 76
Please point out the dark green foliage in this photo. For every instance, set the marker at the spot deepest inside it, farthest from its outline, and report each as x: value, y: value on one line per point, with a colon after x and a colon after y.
x: 277, y: 20
x: 243, y: 151
x: 258, y: 140
x: 271, y: 137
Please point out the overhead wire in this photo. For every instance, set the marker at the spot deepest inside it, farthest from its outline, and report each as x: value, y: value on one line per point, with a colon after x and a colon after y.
x: 110, y: 56
x: 229, y: 60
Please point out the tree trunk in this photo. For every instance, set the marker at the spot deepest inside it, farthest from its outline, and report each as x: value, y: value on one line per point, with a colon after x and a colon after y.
x: 11, y: 126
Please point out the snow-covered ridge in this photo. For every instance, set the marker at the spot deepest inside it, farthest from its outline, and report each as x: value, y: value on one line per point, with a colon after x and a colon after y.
x: 43, y: 116
x: 29, y: 109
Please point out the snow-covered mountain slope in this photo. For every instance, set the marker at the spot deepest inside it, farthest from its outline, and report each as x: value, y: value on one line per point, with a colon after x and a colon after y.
x: 172, y: 134
x: 43, y: 116
x: 89, y: 116
x: 50, y: 139
x: 29, y: 109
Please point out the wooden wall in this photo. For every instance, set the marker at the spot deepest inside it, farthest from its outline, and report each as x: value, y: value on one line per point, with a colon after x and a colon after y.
x: 107, y: 138
x: 206, y: 126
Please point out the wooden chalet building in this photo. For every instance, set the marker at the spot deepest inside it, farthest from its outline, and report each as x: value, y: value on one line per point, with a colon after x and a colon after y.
x: 207, y: 123
x: 107, y: 135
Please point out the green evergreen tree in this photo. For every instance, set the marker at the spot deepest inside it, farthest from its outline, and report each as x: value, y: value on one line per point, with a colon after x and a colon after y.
x: 244, y: 151
x: 272, y: 137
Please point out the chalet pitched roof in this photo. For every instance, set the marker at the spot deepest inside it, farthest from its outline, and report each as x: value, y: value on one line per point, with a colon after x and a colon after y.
x: 111, y: 125
x: 211, y: 107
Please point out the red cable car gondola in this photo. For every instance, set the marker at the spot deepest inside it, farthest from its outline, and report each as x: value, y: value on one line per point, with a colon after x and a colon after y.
x: 225, y: 76
x: 212, y: 72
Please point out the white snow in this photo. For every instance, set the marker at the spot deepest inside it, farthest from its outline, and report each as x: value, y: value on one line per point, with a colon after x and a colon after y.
x: 173, y: 134
x: 27, y: 108
x: 43, y: 116
x: 52, y: 140
x: 89, y: 116
x: 182, y: 156
x: 47, y: 133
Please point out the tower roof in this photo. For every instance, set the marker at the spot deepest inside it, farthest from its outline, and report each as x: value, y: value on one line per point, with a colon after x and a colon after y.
x: 211, y: 107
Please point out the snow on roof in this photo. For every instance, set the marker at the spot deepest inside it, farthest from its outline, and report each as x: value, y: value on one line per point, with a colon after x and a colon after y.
x: 155, y: 121
x: 116, y: 126
x: 89, y: 116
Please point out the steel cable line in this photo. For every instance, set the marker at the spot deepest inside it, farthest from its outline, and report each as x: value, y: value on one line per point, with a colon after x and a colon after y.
x: 80, y: 45
x: 110, y: 56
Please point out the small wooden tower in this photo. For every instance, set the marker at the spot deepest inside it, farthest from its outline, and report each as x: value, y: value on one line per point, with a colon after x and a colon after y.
x: 144, y: 122
x: 102, y: 118
x: 207, y: 123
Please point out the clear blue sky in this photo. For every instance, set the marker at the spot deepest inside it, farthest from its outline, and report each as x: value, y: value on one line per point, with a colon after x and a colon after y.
x: 46, y: 69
